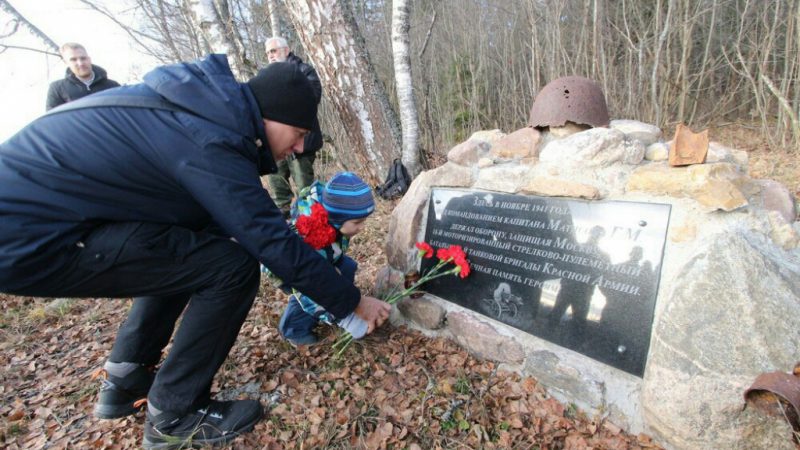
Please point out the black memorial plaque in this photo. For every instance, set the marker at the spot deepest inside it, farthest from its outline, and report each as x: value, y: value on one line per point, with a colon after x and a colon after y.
x: 581, y: 274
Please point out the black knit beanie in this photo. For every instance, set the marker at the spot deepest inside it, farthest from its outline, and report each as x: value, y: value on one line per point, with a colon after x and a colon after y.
x: 285, y: 95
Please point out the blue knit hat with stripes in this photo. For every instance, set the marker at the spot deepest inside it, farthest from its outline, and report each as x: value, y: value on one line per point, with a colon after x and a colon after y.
x: 347, y: 197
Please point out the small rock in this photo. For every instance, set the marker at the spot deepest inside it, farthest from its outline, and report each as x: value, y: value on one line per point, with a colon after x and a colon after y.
x: 489, y: 136
x: 719, y: 153
x: 596, y: 147
x: 423, y: 312
x: 657, y: 152
x: 645, y: 133
x: 468, y: 152
x: 483, y: 340
x: 485, y: 162
x: 519, y: 144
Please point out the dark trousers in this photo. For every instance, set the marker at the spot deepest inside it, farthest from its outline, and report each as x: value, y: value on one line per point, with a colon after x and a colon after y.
x: 166, y: 269
x: 301, y: 170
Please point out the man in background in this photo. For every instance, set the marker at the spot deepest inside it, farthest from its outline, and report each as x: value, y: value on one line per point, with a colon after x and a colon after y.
x: 301, y: 166
x: 81, y: 79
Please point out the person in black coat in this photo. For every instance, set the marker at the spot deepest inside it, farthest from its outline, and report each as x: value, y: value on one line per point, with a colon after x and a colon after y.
x: 81, y: 79
x: 165, y: 204
x: 300, y: 167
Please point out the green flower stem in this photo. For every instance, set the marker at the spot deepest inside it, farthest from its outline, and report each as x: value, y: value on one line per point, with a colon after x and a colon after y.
x: 345, y: 338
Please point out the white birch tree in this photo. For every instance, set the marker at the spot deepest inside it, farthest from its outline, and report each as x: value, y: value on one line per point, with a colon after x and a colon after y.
x: 403, y: 82
x: 334, y: 45
x: 216, y: 26
x: 274, y: 19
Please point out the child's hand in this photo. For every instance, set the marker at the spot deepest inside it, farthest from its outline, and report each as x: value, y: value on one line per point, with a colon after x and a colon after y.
x: 354, y: 325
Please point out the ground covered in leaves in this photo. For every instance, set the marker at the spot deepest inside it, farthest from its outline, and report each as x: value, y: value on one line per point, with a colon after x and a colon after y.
x: 396, y: 389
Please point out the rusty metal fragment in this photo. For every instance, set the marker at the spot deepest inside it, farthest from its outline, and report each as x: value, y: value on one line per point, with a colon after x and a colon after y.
x: 688, y: 147
x: 411, y: 278
x: 777, y: 394
x: 570, y: 99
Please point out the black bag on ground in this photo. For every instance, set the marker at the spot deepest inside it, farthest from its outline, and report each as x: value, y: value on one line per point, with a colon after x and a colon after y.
x: 397, y: 181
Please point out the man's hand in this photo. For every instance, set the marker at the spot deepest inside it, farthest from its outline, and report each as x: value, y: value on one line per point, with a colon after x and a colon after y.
x: 373, y: 311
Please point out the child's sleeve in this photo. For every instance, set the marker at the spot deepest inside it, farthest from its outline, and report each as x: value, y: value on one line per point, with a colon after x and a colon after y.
x: 313, y: 309
x: 354, y: 325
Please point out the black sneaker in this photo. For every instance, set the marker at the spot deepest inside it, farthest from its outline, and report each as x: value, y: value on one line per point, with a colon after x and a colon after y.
x: 216, y: 424
x: 120, y: 397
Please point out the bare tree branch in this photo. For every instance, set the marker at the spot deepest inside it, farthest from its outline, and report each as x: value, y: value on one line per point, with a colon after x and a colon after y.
x: 6, y: 6
x: 5, y: 47
x: 427, y: 35
x: 134, y: 34
x: 783, y: 102
x: 13, y: 29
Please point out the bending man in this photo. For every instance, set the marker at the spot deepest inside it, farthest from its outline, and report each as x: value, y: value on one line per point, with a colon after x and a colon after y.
x: 141, y: 199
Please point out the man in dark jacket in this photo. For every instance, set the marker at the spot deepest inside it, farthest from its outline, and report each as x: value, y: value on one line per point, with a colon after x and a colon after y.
x: 300, y: 167
x: 82, y: 77
x: 132, y: 200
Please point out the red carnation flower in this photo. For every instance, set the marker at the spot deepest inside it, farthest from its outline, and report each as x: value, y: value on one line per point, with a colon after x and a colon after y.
x: 459, y: 259
x: 457, y: 253
x: 315, y: 229
x: 425, y: 250
x: 463, y: 266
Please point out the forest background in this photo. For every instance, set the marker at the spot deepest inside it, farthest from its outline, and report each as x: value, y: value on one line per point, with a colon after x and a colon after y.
x: 729, y: 65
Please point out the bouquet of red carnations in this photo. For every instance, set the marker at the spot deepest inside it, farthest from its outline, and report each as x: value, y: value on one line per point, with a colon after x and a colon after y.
x: 453, y: 254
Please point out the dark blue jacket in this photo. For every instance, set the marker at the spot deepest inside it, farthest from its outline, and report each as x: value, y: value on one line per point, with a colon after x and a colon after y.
x: 67, y: 172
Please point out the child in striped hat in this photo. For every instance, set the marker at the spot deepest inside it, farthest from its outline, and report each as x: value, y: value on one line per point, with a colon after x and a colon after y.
x: 327, y: 217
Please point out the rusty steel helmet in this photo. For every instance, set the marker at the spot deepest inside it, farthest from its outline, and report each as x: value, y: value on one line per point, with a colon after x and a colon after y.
x: 574, y: 99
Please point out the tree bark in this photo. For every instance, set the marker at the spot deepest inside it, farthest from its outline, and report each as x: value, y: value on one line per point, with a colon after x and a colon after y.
x: 334, y: 45
x: 274, y: 19
x: 405, y: 89
x: 214, y: 20
x: 656, y: 59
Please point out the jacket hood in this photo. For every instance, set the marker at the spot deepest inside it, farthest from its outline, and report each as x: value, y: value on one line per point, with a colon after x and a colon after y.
x: 208, y: 89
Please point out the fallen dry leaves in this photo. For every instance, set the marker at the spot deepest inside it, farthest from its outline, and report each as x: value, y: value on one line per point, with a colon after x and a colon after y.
x: 395, y: 389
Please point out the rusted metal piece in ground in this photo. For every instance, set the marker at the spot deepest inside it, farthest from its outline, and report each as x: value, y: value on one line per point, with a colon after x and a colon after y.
x: 688, y: 147
x: 777, y: 394
x: 574, y: 99
x: 411, y: 278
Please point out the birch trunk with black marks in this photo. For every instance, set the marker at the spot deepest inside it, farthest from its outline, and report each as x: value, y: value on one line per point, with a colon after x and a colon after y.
x: 405, y: 90
x: 216, y: 25
x: 334, y: 46
x: 274, y: 19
